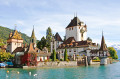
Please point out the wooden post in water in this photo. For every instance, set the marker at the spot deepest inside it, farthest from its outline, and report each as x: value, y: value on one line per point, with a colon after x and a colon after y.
x: 86, y: 62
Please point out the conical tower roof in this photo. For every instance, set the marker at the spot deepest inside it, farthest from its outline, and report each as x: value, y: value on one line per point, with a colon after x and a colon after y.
x: 30, y: 49
x: 103, y: 45
x: 33, y: 34
x: 57, y: 37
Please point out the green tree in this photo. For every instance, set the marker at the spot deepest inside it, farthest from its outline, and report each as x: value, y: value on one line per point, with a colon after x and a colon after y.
x: 54, y: 55
x: 65, y: 55
x: 42, y: 43
x: 113, y: 52
x: 5, y: 56
x: 89, y: 39
x: 48, y: 36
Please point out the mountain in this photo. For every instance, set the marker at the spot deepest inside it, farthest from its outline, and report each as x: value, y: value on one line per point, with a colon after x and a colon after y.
x: 4, y: 34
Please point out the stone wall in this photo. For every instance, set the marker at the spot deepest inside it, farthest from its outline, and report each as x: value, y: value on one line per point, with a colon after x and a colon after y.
x: 57, y: 64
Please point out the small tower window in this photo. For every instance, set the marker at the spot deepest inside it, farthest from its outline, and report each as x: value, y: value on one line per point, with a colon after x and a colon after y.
x: 69, y: 28
x: 32, y: 40
x: 81, y: 36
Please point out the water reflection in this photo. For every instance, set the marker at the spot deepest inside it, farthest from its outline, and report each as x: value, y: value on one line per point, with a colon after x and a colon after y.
x: 111, y: 71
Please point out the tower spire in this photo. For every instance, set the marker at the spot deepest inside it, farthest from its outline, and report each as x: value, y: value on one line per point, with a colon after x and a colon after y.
x: 102, y: 32
x: 103, y: 45
x: 15, y: 26
x: 76, y: 14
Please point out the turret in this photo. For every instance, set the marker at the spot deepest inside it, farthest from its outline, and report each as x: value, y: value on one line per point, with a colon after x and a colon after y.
x: 33, y: 38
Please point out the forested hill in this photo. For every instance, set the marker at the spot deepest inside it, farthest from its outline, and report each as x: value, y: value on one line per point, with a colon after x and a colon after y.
x: 4, y: 34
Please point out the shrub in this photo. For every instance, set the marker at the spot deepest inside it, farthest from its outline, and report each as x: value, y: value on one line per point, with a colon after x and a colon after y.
x: 96, y: 58
x: 67, y: 60
x: 57, y: 60
x: 46, y: 61
x: 65, y: 55
x: 61, y: 59
x: 50, y: 60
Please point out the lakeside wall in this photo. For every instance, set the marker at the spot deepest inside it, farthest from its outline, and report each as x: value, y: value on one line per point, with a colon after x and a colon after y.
x: 57, y: 64
x: 54, y: 64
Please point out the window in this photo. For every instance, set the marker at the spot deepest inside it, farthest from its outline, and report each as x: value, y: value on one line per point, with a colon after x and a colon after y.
x: 69, y: 28
x: 72, y: 28
x: 32, y: 40
x: 81, y: 36
x: 74, y: 50
x: 79, y: 27
x: 69, y: 50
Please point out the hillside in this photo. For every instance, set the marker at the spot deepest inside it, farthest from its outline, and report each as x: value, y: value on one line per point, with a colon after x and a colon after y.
x: 4, y: 34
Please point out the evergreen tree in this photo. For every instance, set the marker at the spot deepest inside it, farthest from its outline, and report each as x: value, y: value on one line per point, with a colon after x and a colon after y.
x: 65, y: 55
x: 48, y: 36
x: 113, y: 52
x: 89, y: 39
x: 54, y: 55
x: 42, y: 43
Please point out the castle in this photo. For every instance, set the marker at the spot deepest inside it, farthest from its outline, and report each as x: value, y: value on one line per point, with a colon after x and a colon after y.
x: 76, y: 42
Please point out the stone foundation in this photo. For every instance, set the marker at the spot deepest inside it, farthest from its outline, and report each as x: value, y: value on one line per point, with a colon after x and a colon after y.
x: 57, y: 64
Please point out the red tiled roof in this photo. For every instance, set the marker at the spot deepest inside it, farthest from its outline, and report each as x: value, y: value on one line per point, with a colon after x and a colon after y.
x: 71, y: 43
x: 30, y: 49
x: 18, y: 49
x: 69, y: 40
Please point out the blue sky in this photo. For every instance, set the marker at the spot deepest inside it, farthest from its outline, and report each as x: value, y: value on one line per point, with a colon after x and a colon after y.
x: 97, y: 14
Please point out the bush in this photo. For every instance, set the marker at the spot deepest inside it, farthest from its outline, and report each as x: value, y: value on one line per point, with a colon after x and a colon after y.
x: 50, y: 60
x: 46, y: 61
x: 61, y: 59
x: 65, y: 55
x: 57, y: 60
x: 96, y: 58
x: 67, y: 60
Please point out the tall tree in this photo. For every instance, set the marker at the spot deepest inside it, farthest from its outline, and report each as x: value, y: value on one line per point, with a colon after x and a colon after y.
x: 113, y: 52
x: 65, y: 55
x: 89, y: 39
x: 54, y: 55
x: 42, y: 43
x: 48, y: 36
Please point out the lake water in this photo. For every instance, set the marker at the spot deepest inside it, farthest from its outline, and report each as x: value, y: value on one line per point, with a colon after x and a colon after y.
x: 111, y: 71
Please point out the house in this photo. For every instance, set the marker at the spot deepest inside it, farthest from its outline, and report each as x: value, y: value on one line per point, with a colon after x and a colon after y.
x: 30, y: 55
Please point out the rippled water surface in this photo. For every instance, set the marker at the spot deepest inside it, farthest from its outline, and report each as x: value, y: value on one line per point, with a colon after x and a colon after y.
x: 111, y: 71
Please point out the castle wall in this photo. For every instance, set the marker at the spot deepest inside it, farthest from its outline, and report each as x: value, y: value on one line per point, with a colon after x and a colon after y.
x: 75, y: 32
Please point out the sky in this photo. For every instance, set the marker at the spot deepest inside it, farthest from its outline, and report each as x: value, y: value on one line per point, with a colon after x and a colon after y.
x: 98, y: 15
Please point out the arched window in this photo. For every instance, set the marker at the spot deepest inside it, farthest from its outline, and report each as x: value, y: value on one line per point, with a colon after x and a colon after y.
x: 81, y: 36
x: 32, y: 40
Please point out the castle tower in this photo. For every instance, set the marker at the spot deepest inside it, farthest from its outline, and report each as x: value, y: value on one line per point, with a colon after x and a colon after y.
x: 33, y: 38
x: 55, y: 42
x: 103, y: 49
x: 76, y: 29
x: 15, y: 40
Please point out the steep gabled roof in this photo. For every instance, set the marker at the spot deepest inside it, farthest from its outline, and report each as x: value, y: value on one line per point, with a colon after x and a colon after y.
x: 57, y: 37
x: 33, y: 34
x: 30, y: 49
x: 69, y: 40
x: 74, y: 22
x: 18, y: 49
x: 103, y: 45
x: 15, y: 35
